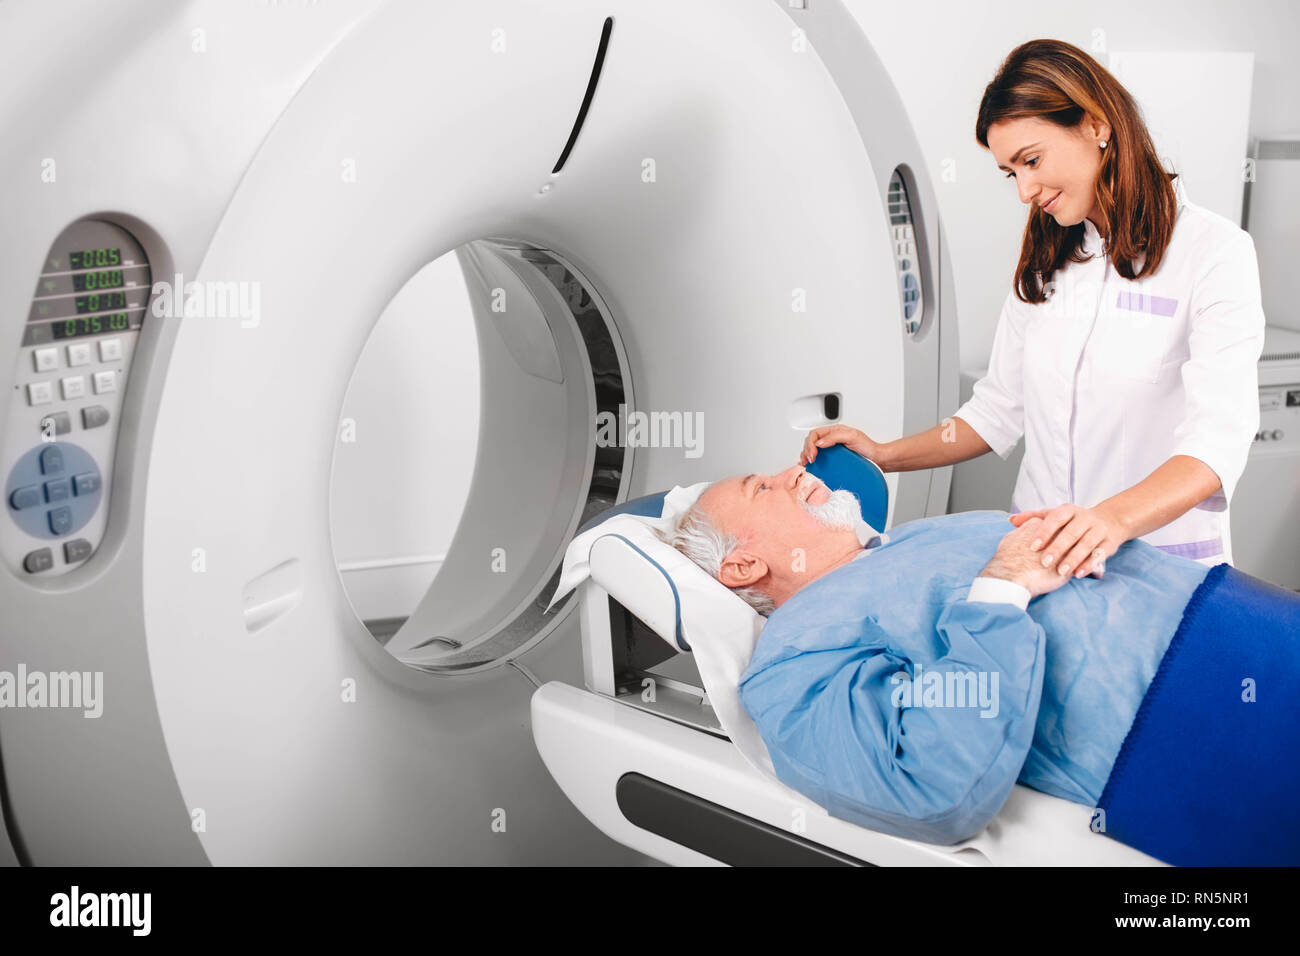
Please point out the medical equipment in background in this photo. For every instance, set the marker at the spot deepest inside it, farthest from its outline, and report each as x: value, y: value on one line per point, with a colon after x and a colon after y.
x: 1266, y: 506
x: 755, y: 221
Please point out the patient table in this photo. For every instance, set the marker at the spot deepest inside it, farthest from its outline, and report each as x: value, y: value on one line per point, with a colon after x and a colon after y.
x: 660, y: 755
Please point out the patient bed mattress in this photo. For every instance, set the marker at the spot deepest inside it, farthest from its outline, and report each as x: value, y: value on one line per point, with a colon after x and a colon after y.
x: 589, y: 742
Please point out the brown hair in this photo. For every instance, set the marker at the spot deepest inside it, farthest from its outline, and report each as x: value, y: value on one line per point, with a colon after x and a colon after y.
x: 1062, y: 84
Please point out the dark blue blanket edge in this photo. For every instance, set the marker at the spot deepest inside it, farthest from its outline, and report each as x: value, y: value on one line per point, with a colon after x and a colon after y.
x: 1191, y: 616
x: 1154, y: 766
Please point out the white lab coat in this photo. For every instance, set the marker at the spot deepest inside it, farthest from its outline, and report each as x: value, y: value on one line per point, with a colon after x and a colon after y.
x: 1110, y: 377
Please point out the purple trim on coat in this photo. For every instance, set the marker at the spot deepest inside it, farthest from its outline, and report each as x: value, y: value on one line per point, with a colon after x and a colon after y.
x: 1216, y: 502
x: 1137, y: 302
x: 1194, y: 549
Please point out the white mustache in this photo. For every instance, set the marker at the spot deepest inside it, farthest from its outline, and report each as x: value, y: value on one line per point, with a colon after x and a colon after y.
x: 840, y: 512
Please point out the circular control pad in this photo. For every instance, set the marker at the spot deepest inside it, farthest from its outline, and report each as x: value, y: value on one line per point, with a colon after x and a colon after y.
x: 53, y: 490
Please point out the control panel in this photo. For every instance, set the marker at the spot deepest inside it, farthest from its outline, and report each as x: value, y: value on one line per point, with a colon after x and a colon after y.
x: 1279, y: 415
x: 906, y: 258
x: 61, y: 426
x: 1279, y: 395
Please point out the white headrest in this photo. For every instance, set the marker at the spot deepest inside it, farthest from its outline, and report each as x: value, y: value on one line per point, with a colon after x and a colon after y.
x: 680, y: 602
x: 625, y: 555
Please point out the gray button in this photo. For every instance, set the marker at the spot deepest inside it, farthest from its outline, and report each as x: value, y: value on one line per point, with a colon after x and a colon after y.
x: 92, y: 416
x: 78, y: 549
x: 86, y: 484
x: 62, y: 423
x: 42, y: 559
x: 26, y: 497
x: 61, y: 520
x: 51, y: 460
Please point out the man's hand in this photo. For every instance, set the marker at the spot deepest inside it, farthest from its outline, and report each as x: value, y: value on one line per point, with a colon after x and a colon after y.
x: 1017, y: 561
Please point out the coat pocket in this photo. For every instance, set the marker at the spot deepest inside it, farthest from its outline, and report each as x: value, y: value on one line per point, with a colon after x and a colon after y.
x: 1137, y: 335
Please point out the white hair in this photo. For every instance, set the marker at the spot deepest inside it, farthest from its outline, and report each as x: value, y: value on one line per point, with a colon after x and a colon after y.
x: 705, y: 544
x: 708, y: 546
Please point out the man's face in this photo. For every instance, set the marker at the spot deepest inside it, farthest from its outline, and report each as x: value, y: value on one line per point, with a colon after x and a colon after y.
x: 779, y: 517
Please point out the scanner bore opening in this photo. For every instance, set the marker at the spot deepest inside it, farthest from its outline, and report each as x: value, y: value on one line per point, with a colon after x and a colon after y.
x: 549, y: 362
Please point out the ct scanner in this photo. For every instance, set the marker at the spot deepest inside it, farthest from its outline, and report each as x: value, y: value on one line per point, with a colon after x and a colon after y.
x: 673, y: 207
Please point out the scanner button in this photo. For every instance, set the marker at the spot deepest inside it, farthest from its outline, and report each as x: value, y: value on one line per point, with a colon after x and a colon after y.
x: 42, y: 559
x: 86, y: 484
x: 110, y: 350
x: 46, y: 359
x: 79, y: 354
x: 105, y: 382
x: 78, y: 549
x: 74, y: 387
x: 62, y: 423
x: 57, y: 490
x: 39, y: 393
x: 92, y: 416
x: 60, y: 520
x: 51, y: 460
x: 28, y: 496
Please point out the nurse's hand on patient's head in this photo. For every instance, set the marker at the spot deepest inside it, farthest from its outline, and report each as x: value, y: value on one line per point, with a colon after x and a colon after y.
x: 1016, y: 561
x: 1075, y: 540
x: 829, y: 435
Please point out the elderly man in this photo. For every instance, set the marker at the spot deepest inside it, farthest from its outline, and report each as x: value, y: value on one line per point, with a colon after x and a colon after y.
x: 906, y: 681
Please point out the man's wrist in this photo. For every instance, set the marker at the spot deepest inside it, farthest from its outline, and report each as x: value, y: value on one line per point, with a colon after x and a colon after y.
x: 995, y: 590
x: 996, y: 569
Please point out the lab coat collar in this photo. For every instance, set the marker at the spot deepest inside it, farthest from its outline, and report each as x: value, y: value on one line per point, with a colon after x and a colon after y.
x: 1180, y: 191
x: 1092, y: 241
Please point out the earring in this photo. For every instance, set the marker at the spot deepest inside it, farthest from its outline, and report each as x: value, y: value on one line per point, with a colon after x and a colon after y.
x: 1102, y: 144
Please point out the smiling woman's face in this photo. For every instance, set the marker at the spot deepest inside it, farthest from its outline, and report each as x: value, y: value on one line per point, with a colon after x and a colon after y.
x: 1054, y: 168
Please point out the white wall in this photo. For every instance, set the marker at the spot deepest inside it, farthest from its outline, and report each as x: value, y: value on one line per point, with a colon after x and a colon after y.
x: 942, y: 53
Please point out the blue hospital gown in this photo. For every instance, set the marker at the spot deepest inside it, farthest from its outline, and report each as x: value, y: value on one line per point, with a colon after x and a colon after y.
x: 1071, y: 672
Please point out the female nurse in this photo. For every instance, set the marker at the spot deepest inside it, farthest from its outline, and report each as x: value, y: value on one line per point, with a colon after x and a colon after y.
x: 1126, y: 350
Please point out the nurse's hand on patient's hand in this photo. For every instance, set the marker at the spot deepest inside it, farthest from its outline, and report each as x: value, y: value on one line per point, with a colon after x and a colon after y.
x: 829, y: 435
x: 1075, y: 540
x: 1016, y: 561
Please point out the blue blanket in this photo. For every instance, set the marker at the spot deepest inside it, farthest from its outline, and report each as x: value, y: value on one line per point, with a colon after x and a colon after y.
x: 1209, y: 774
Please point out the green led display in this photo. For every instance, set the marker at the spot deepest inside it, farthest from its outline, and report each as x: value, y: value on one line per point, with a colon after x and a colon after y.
x: 90, y: 325
x: 93, y: 258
